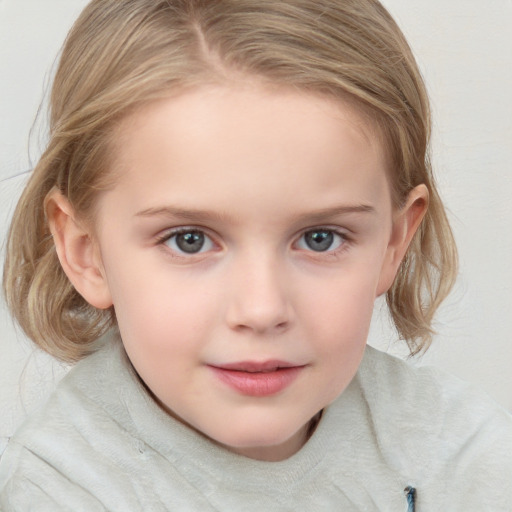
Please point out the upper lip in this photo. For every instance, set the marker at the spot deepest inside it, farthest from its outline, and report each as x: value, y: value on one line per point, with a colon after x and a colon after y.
x: 256, y: 366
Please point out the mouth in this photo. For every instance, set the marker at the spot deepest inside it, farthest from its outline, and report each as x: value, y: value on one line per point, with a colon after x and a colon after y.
x: 257, y: 367
x: 258, y: 379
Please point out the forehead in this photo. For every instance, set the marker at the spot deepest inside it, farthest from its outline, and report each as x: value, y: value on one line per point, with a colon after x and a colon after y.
x: 284, y: 139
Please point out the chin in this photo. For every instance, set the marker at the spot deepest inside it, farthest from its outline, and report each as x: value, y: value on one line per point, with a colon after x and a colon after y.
x: 264, y: 442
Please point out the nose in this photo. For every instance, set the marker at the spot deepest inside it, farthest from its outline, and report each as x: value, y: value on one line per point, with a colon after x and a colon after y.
x: 259, y: 297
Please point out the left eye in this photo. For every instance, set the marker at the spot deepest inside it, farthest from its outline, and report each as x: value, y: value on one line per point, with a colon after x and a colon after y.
x: 189, y: 242
x: 320, y: 240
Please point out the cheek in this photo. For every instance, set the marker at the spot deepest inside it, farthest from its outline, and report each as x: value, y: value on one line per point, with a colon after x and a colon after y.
x: 339, y: 320
x: 343, y: 302
x: 159, y: 310
x: 164, y: 330
x: 343, y: 329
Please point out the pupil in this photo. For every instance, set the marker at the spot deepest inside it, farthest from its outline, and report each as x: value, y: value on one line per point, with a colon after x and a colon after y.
x: 319, y: 240
x: 190, y: 242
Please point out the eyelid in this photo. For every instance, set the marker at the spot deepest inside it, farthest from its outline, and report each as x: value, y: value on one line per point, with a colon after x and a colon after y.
x: 165, y: 234
x: 341, y: 232
x: 169, y: 233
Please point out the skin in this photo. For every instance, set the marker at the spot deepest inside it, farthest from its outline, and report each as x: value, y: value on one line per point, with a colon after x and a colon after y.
x: 254, y: 169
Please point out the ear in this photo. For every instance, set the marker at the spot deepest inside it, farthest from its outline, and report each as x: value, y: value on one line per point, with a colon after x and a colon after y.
x: 405, y: 224
x: 78, y: 253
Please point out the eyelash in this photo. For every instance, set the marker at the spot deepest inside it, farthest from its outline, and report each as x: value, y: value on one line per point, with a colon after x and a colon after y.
x: 342, y: 236
x: 169, y: 235
x: 344, y: 240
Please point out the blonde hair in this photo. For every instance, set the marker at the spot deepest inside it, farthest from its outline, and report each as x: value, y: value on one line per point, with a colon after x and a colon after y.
x: 121, y: 54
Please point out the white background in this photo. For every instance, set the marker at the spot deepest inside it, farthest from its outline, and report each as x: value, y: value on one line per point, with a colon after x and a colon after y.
x: 464, y: 48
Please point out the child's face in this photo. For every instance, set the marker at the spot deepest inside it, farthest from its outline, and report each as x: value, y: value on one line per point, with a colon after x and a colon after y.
x: 243, y: 246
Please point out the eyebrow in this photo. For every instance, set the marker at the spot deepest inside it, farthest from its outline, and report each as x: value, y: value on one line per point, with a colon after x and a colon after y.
x: 209, y: 215
x: 182, y: 214
x: 324, y: 213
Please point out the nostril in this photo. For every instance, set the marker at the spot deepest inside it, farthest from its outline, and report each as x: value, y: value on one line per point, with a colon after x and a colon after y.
x: 261, y: 328
x: 258, y: 323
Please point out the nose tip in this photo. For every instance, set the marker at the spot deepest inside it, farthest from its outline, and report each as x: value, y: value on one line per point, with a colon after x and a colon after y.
x: 260, y: 316
x: 259, y: 303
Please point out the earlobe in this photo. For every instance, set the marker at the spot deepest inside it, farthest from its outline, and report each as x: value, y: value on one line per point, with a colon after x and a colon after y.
x: 405, y: 224
x: 77, y: 252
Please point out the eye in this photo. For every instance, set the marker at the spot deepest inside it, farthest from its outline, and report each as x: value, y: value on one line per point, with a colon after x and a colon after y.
x: 190, y: 241
x: 321, y: 240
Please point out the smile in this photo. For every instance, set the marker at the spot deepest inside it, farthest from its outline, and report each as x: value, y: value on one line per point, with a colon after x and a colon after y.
x: 257, y: 379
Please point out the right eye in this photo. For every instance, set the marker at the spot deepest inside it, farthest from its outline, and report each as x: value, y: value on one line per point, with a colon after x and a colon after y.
x: 189, y: 241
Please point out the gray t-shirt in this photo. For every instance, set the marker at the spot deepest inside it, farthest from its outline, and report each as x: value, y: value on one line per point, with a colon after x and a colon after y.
x: 102, y: 443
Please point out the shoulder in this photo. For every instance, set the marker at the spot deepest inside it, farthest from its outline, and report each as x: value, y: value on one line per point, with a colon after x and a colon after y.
x: 61, y: 450
x: 429, y: 398
x: 435, y: 427
x: 27, y: 479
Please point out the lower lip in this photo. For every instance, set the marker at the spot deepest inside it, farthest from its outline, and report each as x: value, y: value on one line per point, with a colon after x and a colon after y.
x: 258, y: 383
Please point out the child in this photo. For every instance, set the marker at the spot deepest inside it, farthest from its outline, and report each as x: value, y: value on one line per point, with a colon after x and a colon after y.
x: 227, y: 188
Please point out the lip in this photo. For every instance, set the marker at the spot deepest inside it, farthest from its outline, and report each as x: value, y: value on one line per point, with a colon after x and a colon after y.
x: 257, y: 378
